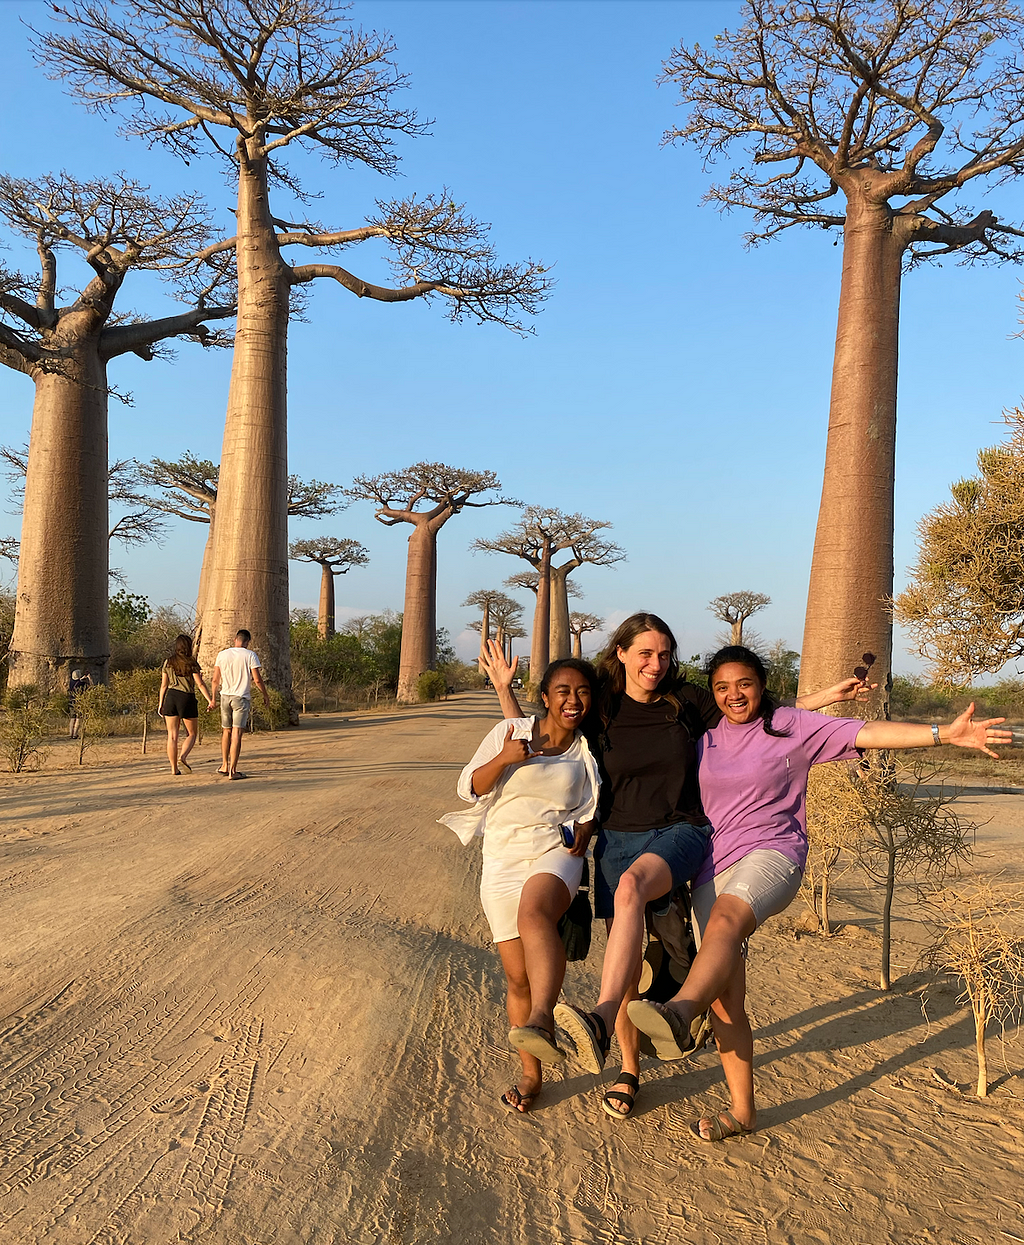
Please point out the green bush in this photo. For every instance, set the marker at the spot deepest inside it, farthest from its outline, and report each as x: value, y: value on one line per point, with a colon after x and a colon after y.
x: 431, y: 685
x: 274, y: 718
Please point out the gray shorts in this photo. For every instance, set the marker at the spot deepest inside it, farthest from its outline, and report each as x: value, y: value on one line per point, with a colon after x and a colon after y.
x: 765, y: 879
x: 234, y: 711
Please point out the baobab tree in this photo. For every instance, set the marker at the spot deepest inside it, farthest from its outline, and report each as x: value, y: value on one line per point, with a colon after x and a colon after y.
x: 483, y: 599
x: 871, y: 119
x: 246, y: 81
x: 579, y: 625
x: 530, y: 580
x: 541, y: 533
x: 65, y: 350
x: 140, y: 521
x: 187, y: 488
x: 442, y: 491
x: 735, y: 608
x: 335, y: 555
x: 506, y: 615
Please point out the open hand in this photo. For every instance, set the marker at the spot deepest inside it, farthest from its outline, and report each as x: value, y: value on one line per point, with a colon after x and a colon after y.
x: 966, y: 733
x: 494, y: 665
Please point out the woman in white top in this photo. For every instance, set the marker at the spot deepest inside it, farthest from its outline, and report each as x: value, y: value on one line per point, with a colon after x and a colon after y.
x: 528, y: 779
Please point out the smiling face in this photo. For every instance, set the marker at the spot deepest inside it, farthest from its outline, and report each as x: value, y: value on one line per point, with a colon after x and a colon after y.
x: 737, y: 691
x: 568, y: 697
x: 645, y: 663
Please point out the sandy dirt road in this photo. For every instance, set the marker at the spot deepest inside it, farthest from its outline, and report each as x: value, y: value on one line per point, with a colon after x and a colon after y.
x: 266, y: 1012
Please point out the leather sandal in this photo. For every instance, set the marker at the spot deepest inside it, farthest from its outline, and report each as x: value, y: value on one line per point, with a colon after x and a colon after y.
x: 617, y: 1095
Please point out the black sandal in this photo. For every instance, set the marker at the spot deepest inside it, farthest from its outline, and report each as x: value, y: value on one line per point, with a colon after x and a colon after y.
x: 588, y: 1033
x: 523, y: 1101
x: 618, y: 1095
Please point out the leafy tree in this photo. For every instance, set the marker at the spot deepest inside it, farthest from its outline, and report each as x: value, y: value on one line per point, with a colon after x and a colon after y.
x: 426, y: 496
x: 964, y: 606
x: 783, y: 670
x: 129, y: 612
x: 247, y: 80
x: 64, y: 344
x: 874, y: 119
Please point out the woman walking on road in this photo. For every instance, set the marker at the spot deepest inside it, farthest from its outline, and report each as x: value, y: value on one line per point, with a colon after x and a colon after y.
x: 179, y: 679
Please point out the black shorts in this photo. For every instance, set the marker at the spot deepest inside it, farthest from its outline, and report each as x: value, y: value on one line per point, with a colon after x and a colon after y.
x: 179, y: 704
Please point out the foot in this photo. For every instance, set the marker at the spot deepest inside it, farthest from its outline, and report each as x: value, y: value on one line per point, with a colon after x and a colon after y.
x: 619, y: 1100
x: 521, y: 1100
x: 224, y: 773
x: 537, y: 1042
x: 664, y: 1026
x: 588, y: 1033
x: 185, y: 765
x: 719, y: 1127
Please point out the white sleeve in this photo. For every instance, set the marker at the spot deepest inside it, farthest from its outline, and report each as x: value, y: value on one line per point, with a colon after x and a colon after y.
x: 586, y: 810
x: 492, y: 744
x: 254, y: 661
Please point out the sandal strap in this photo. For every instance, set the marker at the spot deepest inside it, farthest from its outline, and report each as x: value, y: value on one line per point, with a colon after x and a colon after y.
x: 603, y: 1040
x: 618, y: 1095
x: 626, y: 1078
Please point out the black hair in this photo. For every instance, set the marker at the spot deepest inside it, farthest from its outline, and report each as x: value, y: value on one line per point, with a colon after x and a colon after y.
x: 744, y: 656
x: 244, y: 636
x: 582, y: 667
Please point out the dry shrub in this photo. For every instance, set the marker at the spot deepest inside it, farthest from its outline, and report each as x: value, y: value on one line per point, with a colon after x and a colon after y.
x: 835, y: 825
x: 979, y: 938
x: 24, y: 724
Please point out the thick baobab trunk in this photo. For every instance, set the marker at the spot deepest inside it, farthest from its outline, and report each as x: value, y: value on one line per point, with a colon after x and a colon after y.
x: 419, y: 629
x: 737, y: 631
x: 61, y: 617
x: 559, y: 635
x: 485, y: 629
x: 577, y: 644
x: 540, y: 640
x: 204, y: 579
x: 852, y: 568
x: 248, y: 582
x: 325, y: 617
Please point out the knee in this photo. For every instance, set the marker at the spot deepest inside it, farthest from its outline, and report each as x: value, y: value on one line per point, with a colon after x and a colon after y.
x: 629, y: 894
x: 518, y: 982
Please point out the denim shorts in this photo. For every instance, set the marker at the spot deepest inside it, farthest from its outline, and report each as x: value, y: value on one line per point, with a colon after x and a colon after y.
x: 234, y: 711
x: 681, y: 846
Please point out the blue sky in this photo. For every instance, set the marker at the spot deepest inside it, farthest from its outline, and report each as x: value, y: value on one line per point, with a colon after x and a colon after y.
x: 677, y: 384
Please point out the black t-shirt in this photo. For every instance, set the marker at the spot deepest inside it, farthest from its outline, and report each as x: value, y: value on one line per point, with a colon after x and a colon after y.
x: 648, y: 759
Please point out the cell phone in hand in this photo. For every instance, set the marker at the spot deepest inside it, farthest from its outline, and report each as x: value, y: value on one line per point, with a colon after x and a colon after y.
x: 568, y: 835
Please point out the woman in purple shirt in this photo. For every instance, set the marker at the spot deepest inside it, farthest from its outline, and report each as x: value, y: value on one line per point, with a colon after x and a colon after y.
x: 753, y: 780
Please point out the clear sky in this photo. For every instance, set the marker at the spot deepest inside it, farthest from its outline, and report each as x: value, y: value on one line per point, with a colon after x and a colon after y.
x: 677, y: 384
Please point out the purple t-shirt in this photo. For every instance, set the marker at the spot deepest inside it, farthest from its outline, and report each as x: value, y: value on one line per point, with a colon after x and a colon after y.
x: 754, y: 786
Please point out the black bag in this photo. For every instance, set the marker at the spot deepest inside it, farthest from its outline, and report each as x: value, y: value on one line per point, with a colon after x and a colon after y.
x: 574, y: 925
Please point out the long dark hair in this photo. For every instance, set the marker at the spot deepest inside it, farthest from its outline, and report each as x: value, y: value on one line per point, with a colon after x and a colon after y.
x: 612, y: 672
x: 181, y: 660
x: 588, y: 672
x: 743, y: 656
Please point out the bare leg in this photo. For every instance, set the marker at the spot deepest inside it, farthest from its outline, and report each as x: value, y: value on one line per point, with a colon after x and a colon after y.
x: 172, y: 742
x: 191, y: 731
x: 628, y: 1037
x: 225, y: 751
x: 719, y: 958
x: 236, y: 748
x: 518, y: 1005
x: 736, y: 1047
x: 647, y: 878
x: 544, y: 899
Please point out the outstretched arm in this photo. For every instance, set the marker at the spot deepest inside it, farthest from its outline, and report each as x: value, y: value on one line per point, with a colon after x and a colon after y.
x: 848, y: 689
x: 501, y: 674
x: 963, y: 731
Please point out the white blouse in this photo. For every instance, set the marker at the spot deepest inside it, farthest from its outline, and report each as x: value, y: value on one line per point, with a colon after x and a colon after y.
x: 520, y: 816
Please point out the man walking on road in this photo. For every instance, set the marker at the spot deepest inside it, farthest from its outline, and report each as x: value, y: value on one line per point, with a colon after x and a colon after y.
x: 234, y: 673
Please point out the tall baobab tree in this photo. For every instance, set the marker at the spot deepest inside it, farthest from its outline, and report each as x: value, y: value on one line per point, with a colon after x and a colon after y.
x: 579, y: 625
x: 871, y: 119
x: 541, y: 533
x: 735, y: 608
x: 247, y: 80
x: 483, y: 599
x: 531, y: 580
x: 335, y: 555
x: 441, y: 491
x: 503, y: 612
x: 187, y: 488
x: 65, y: 350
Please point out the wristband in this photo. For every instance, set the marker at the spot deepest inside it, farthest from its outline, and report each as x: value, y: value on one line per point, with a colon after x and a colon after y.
x: 935, y: 735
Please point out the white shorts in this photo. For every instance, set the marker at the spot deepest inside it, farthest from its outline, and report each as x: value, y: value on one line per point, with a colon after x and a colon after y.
x: 764, y: 879
x: 502, y: 882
